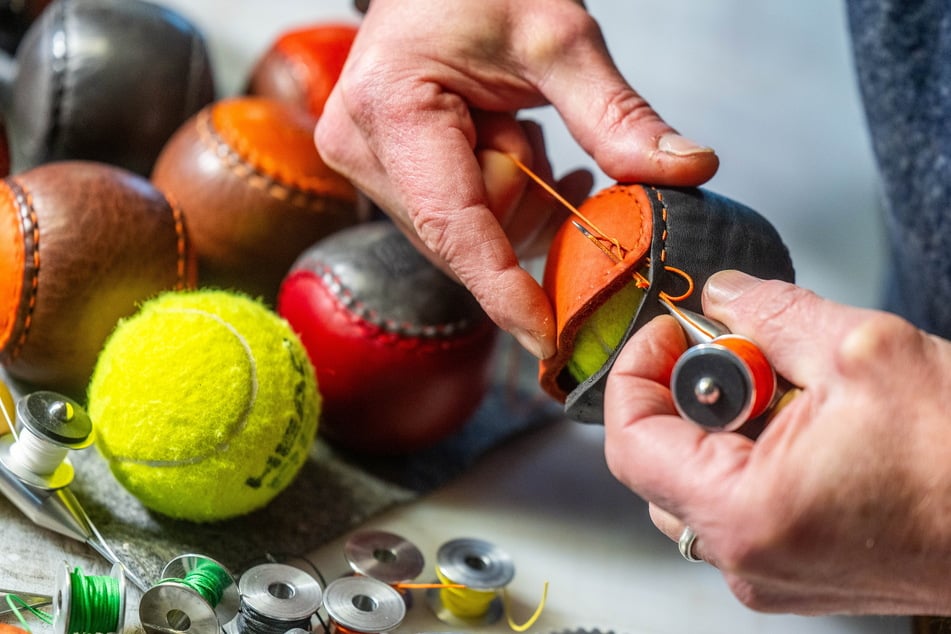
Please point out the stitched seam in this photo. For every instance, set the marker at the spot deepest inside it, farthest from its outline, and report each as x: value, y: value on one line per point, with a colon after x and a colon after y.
x: 663, y: 216
x: 359, y: 309
x: 245, y: 171
x: 181, y: 244
x: 31, y: 235
x: 59, y: 66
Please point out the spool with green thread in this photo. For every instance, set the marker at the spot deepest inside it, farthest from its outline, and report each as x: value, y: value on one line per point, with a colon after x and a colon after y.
x: 196, y: 594
x: 89, y: 604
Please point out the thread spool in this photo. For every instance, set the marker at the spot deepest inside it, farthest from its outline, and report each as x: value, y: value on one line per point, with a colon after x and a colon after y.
x: 363, y: 605
x: 50, y: 425
x: 484, y: 570
x: 196, y: 595
x: 384, y: 556
x: 724, y: 383
x: 89, y: 605
x: 276, y: 598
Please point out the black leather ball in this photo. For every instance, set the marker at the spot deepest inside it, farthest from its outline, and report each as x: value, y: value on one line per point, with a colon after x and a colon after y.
x: 104, y: 80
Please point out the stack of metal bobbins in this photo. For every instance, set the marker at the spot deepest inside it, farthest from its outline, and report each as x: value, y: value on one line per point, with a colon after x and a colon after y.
x: 386, y: 557
x: 196, y: 594
x: 276, y: 598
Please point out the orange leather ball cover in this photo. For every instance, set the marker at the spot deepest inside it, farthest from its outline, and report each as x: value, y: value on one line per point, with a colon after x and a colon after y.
x: 579, y: 277
x: 254, y: 191
x: 303, y: 65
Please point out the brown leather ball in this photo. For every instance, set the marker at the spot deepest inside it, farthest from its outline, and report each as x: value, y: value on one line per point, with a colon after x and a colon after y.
x: 84, y: 244
x: 254, y: 191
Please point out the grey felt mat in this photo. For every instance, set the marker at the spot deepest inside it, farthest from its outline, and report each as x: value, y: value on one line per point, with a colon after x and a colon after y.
x: 334, y: 493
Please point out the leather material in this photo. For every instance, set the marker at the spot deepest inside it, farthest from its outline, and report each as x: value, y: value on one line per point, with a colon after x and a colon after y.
x: 693, y: 230
x: 84, y: 244
x: 579, y: 277
x: 303, y: 65
x: 105, y: 80
x: 254, y: 190
x: 402, y: 352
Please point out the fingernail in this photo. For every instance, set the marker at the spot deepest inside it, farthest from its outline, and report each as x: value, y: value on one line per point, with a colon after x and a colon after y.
x: 539, y: 347
x: 673, y: 143
x: 725, y: 286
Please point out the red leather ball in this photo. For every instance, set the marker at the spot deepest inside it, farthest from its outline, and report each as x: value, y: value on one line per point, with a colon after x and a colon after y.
x: 254, y: 191
x: 402, y: 353
x: 84, y: 244
x: 302, y: 65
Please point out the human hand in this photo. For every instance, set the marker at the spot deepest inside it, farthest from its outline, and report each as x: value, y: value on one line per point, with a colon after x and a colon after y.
x: 423, y: 119
x: 842, y: 503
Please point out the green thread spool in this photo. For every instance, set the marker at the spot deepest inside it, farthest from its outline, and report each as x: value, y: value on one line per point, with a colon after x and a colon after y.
x: 89, y: 605
x: 196, y: 595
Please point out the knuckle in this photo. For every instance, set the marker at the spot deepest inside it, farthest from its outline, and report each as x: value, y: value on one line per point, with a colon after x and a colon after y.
x: 878, y: 337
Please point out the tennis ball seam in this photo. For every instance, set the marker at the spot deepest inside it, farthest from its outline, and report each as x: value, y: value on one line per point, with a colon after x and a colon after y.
x: 243, y: 419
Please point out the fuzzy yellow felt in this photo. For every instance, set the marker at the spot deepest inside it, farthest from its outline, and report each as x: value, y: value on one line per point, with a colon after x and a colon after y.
x: 602, y: 332
x: 205, y: 404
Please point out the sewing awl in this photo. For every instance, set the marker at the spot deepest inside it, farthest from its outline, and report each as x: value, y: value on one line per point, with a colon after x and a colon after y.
x: 35, y: 474
x: 723, y: 380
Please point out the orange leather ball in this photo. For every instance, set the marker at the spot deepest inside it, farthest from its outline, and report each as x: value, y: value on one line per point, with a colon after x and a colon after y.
x: 254, y: 191
x: 84, y: 244
x: 302, y: 66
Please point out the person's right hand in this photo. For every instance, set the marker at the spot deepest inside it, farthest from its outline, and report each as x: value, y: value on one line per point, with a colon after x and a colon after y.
x: 431, y: 89
x: 842, y: 503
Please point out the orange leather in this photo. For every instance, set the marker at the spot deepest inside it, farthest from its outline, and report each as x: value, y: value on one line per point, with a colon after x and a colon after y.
x: 12, y: 264
x: 254, y: 191
x: 278, y: 141
x: 93, y: 242
x: 303, y: 65
x: 579, y: 277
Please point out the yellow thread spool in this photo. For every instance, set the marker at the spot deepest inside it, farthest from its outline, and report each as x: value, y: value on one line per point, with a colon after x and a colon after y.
x: 483, y: 570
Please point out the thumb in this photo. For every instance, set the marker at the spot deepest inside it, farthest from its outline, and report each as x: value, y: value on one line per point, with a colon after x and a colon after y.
x: 795, y: 328
x: 614, y: 124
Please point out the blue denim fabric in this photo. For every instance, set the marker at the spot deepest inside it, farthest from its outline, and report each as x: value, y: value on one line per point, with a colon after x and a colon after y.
x: 903, y: 58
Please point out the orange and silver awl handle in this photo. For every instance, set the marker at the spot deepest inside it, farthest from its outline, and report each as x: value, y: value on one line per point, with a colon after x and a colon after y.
x: 723, y: 380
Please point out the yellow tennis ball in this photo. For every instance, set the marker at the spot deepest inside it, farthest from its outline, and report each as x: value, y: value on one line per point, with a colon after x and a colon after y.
x: 204, y: 404
x: 602, y: 332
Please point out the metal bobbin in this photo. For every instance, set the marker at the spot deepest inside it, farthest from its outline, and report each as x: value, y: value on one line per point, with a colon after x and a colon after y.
x: 478, y: 565
x: 172, y: 606
x: 363, y: 604
x: 63, y: 599
x: 49, y: 426
x: 277, y: 598
x: 384, y: 556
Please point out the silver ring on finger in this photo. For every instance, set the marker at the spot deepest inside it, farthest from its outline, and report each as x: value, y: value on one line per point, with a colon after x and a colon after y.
x: 685, y: 545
